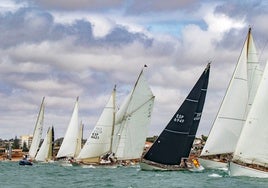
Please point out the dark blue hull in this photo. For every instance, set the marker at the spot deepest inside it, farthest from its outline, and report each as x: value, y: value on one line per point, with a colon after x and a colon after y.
x: 25, y: 162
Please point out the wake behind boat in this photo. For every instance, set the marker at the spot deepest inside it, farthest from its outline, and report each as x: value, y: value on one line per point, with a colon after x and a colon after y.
x: 172, y: 148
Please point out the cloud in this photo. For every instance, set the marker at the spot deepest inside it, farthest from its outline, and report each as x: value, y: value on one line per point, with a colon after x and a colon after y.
x: 79, y: 4
x: 145, y: 7
x: 59, y: 51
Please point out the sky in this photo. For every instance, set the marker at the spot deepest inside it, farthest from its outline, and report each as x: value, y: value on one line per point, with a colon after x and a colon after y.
x: 68, y: 48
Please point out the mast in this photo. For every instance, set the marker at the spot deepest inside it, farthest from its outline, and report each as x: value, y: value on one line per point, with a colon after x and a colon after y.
x: 112, y: 133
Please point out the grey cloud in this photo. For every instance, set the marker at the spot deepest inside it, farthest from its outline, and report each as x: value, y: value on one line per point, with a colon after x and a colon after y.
x: 156, y: 6
x: 79, y: 4
x: 240, y: 9
x: 29, y: 25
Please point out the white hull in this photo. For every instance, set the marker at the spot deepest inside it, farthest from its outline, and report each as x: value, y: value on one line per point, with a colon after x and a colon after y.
x: 98, y: 166
x: 210, y: 164
x: 151, y: 167
x: 66, y: 164
x: 238, y: 170
x: 148, y: 167
x: 63, y: 162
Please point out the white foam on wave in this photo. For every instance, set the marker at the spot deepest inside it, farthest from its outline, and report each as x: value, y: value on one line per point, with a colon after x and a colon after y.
x: 214, y: 175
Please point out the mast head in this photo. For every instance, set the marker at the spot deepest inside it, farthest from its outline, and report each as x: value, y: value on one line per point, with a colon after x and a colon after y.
x: 208, y: 65
x: 249, y: 30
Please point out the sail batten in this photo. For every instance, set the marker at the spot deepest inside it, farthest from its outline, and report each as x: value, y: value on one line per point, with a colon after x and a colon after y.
x: 177, y: 132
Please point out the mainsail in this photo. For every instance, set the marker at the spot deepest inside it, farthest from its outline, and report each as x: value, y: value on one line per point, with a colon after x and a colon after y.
x: 175, y: 141
x: 236, y: 104
x: 70, y: 141
x: 252, y: 146
x: 37, y: 131
x: 132, y: 121
x: 100, y: 139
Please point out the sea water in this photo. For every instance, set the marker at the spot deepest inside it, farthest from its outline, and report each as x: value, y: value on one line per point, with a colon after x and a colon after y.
x: 12, y: 175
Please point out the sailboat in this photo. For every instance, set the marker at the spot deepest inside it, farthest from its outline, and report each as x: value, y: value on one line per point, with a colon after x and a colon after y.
x: 37, y: 134
x: 45, y: 153
x: 119, y: 137
x: 71, y: 143
x: 99, y: 142
x: 235, y: 106
x: 131, y: 123
x: 171, y: 149
x: 251, y: 152
x: 38, y: 129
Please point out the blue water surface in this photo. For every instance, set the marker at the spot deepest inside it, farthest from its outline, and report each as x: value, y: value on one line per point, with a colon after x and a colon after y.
x: 12, y: 175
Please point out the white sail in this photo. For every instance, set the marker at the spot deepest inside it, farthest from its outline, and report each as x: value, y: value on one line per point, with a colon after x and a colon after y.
x: 253, y: 69
x: 44, y: 151
x: 252, y: 146
x: 99, y: 141
x: 79, y: 140
x: 37, y: 131
x: 236, y: 104
x: 68, y: 147
x: 119, y: 118
x: 133, y: 120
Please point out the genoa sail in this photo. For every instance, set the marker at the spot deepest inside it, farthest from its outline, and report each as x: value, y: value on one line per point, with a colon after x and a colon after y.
x: 71, y: 138
x: 175, y: 141
x: 100, y: 139
x: 37, y: 135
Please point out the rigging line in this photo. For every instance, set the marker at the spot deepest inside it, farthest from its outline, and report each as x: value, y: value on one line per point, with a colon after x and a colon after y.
x: 265, y: 44
x: 127, y: 115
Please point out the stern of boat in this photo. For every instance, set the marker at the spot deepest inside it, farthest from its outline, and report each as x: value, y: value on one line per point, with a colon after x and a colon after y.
x: 239, y: 170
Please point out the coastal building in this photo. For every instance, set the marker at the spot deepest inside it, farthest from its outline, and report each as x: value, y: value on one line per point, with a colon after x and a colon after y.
x: 27, y: 139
